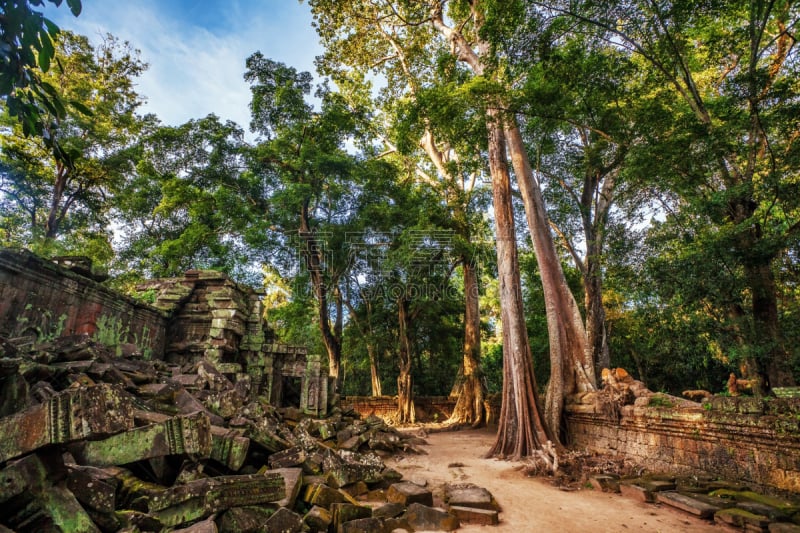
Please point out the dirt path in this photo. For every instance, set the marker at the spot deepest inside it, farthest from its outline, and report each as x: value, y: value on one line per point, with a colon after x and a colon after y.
x: 530, y: 504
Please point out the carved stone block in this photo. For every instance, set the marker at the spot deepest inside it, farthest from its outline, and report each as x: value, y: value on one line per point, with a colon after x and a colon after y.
x: 180, y: 435
x: 73, y: 414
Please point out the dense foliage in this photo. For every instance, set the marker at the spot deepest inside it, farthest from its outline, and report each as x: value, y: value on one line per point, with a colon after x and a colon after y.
x: 664, y: 138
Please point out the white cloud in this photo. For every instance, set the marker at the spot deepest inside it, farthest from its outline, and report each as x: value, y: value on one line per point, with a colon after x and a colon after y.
x: 194, y: 70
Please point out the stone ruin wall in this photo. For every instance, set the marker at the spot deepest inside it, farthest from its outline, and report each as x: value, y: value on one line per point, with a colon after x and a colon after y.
x: 42, y: 301
x: 427, y: 408
x: 203, y: 314
x: 755, y: 441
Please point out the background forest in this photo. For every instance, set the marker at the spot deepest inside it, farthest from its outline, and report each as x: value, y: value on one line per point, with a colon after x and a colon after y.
x: 652, y: 145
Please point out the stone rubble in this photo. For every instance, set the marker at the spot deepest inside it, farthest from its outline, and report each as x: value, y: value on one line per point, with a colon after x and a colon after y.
x: 96, y: 442
x: 730, y: 504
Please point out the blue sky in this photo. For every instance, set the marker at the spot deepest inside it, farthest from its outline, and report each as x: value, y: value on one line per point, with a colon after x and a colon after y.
x: 196, y: 49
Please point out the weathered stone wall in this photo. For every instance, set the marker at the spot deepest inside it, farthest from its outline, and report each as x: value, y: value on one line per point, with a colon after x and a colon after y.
x: 42, y: 300
x: 756, y: 441
x: 202, y: 315
x: 427, y: 408
x: 214, y: 318
x: 211, y: 317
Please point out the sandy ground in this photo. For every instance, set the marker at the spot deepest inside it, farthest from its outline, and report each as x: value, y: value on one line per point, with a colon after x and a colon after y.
x: 531, y: 504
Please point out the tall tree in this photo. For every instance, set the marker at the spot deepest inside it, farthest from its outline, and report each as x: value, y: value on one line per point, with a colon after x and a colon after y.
x: 60, y: 195
x: 464, y: 34
x: 580, y: 136
x: 572, y: 368
x: 311, y: 188
x: 521, y: 429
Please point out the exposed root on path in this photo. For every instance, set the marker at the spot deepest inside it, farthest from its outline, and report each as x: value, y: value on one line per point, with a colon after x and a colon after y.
x: 573, y: 469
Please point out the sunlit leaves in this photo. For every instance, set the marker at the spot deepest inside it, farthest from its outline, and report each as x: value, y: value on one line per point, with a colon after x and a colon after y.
x: 26, y: 51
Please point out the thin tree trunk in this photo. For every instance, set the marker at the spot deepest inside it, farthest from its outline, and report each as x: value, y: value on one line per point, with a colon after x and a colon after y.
x: 405, y: 382
x: 571, y: 364
x: 521, y: 430
x: 373, y: 368
x: 469, y: 389
x: 367, y: 334
x: 599, y: 203
x: 596, y: 333
x: 332, y: 341
x: 52, y: 224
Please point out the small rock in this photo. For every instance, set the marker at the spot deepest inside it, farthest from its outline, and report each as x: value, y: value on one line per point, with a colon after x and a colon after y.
x: 783, y: 527
x: 322, y: 495
x: 243, y: 519
x: 657, y: 485
x: 636, y: 492
x: 388, y: 510
x: 317, y: 518
x: 469, y: 495
x: 741, y: 518
x: 345, y: 512
x: 773, y: 513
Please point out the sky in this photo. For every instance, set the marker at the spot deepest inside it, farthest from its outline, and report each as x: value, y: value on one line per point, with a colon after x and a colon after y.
x: 196, y: 49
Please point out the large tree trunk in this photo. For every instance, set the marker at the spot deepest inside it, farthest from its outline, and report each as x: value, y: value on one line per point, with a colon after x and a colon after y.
x: 773, y: 366
x: 571, y: 364
x: 521, y: 429
x: 405, y: 383
x: 596, y: 198
x: 469, y: 389
x: 565, y: 325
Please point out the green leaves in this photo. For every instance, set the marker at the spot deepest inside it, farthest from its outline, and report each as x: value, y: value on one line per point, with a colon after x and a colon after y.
x: 74, y: 6
x: 279, y: 94
x: 27, y: 45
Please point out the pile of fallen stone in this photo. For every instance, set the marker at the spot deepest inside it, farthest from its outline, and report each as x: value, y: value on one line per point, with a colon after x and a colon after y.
x: 727, y: 503
x: 95, y: 441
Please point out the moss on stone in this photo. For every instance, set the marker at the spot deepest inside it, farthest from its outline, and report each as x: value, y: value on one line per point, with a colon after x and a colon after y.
x: 740, y: 517
x: 748, y: 495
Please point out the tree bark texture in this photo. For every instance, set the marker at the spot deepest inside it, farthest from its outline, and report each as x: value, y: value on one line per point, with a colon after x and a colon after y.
x: 521, y: 430
x: 596, y: 199
x: 571, y: 362
x: 405, y: 381
x: 55, y: 213
x: 771, y: 364
x: 469, y: 388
